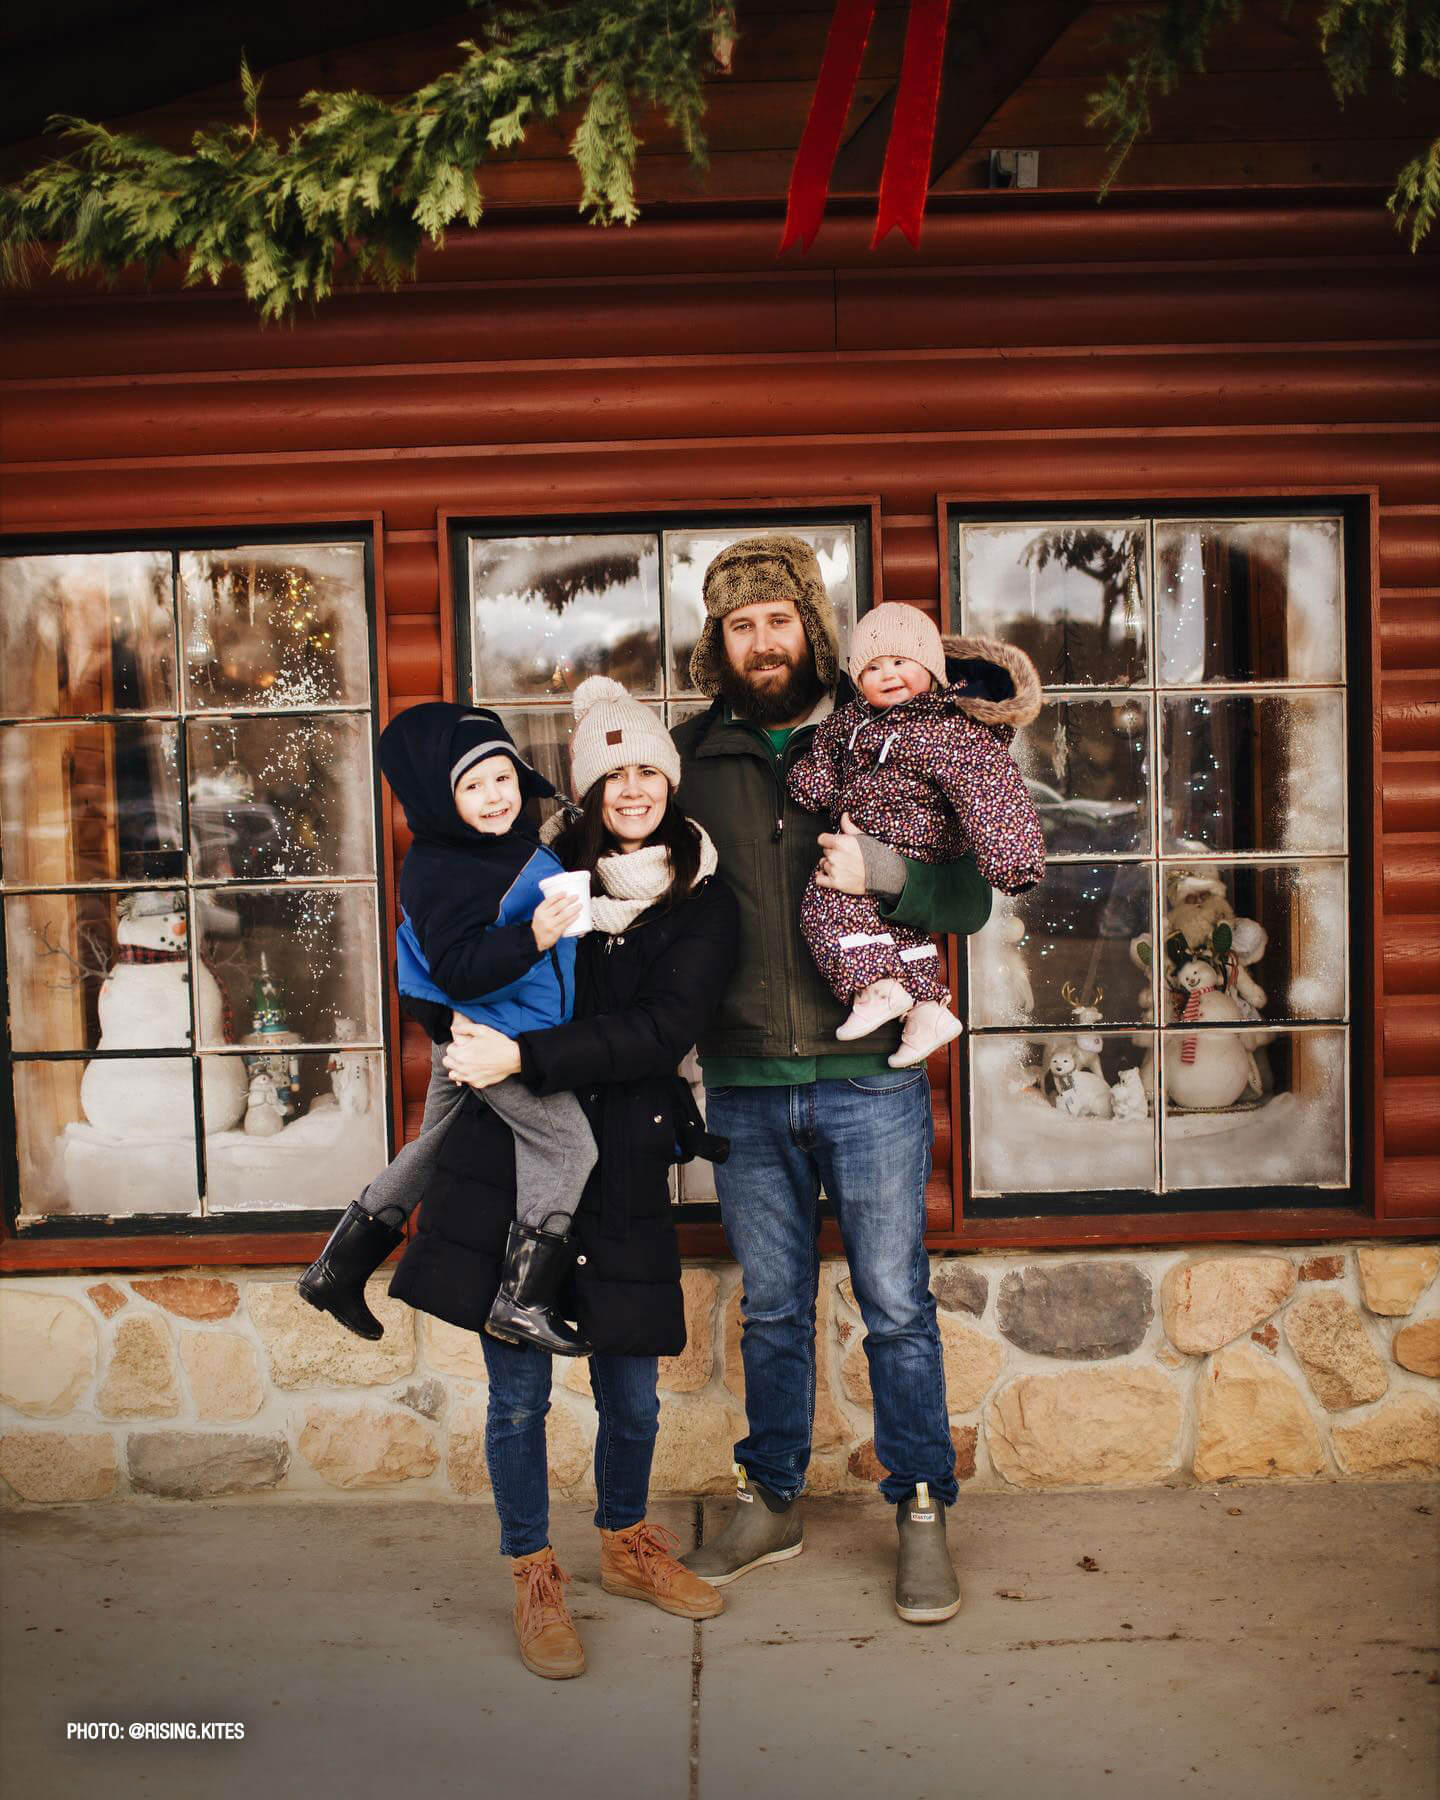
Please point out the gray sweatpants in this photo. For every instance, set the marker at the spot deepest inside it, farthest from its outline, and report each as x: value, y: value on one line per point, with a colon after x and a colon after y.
x: 554, y: 1148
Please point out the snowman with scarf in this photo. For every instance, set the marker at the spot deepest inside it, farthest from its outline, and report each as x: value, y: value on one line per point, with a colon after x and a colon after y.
x: 144, y: 1004
x: 1207, y: 1070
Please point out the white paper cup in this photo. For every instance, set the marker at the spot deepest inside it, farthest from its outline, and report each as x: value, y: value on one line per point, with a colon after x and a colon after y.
x: 575, y: 882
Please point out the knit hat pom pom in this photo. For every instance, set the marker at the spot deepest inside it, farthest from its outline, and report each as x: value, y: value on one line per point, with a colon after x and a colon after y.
x: 596, y: 690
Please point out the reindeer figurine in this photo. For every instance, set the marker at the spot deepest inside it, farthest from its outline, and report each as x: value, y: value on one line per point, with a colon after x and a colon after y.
x: 1072, y: 1073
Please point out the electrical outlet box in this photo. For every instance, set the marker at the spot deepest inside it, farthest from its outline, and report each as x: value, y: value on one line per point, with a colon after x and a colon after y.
x: 1014, y: 168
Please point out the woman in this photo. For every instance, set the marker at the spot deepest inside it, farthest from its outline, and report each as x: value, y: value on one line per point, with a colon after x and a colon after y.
x: 646, y: 980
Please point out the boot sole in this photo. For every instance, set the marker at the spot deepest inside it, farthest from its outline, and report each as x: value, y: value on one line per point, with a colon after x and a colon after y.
x: 550, y: 1674
x: 770, y: 1556
x: 928, y: 1615
x: 506, y: 1337
x: 369, y: 1337
x: 676, y: 1608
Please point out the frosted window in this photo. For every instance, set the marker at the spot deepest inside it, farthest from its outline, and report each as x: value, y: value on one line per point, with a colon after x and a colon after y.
x: 1195, y: 812
x: 1249, y: 600
x: 114, y: 1136
x: 90, y: 802
x: 1255, y: 1108
x: 1073, y: 596
x: 281, y: 797
x: 1086, y: 764
x: 1243, y: 774
x: 275, y: 626
x: 294, y: 963
x: 689, y: 553
x: 200, y: 718
x: 1062, y: 1112
x: 548, y: 611
x: 1065, y: 943
x: 86, y: 633
x: 311, y: 1136
x: 98, y: 971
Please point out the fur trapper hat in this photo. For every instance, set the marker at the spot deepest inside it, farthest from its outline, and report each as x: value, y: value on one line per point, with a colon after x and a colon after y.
x: 766, y: 568
x: 612, y: 730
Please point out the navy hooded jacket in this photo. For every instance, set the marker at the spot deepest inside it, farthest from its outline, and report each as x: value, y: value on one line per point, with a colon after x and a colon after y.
x: 467, y: 896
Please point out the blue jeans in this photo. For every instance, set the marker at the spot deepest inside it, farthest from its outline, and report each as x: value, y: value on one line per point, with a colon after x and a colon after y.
x: 866, y: 1140
x: 629, y: 1409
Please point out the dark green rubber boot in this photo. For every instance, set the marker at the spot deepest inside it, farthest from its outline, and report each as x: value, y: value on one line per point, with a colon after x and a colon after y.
x: 762, y: 1529
x: 927, y: 1589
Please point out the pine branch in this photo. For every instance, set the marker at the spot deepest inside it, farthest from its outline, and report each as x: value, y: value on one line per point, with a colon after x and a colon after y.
x: 1165, y: 45
x: 357, y: 191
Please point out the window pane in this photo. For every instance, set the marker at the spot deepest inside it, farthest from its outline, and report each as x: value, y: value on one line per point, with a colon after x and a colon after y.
x: 281, y: 797
x: 1065, y: 944
x: 1087, y: 766
x: 1253, y: 774
x: 298, y: 964
x: 689, y: 553
x: 102, y: 971
x: 275, y: 625
x: 116, y: 1135
x: 1219, y: 1131
x: 1256, y: 600
x: 1288, y: 927
x: 86, y: 634
x: 1071, y: 595
x: 83, y: 803
x: 1051, y: 1115
x: 312, y: 1132
x: 548, y: 611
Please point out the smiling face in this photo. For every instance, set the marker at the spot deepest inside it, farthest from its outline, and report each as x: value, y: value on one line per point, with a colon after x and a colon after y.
x: 892, y: 680
x: 487, y: 795
x: 768, y: 673
x: 634, y: 804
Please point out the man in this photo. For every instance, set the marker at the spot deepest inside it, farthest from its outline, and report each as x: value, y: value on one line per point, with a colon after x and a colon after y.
x: 803, y: 1111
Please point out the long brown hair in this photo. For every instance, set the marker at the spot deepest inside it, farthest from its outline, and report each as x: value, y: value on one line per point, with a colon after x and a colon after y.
x: 583, y: 841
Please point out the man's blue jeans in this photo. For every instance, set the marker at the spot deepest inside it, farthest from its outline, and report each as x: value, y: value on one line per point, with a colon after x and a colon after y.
x: 866, y: 1140
x: 629, y: 1409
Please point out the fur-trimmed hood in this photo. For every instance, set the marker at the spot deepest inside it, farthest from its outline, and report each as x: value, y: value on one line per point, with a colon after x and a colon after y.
x: 992, y: 681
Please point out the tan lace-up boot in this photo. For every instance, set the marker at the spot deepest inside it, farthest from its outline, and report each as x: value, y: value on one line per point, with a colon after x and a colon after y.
x: 639, y: 1563
x: 549, y: 1643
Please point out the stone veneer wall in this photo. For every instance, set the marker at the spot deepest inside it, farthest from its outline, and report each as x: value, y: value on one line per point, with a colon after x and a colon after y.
x: 1108, y: 1369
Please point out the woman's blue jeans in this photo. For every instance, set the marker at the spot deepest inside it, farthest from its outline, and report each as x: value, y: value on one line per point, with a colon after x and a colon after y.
x: 628, y: 1406
x: 866, y: 1140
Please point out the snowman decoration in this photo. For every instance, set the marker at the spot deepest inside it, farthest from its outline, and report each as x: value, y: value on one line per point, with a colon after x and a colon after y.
x: 1209, y: 1070
x: 144, y: 1004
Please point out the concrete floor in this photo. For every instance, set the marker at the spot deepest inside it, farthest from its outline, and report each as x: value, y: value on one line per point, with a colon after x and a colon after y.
x: 1270, y: 1643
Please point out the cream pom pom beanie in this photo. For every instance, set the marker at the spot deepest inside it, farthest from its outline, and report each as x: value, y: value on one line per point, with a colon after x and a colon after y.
x: 612, y: 730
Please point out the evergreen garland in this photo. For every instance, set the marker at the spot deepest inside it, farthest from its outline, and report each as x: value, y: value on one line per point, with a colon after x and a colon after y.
x: 357, y: 191
x: 1171, y: 42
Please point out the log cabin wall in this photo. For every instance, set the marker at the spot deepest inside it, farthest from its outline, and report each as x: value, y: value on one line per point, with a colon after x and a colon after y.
x: 1038, y: 348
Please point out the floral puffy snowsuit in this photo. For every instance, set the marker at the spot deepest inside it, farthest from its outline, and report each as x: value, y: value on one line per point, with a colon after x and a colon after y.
x: 932, y: 782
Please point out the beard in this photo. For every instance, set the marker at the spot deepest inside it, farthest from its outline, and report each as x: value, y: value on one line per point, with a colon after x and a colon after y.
x: 771, y: 702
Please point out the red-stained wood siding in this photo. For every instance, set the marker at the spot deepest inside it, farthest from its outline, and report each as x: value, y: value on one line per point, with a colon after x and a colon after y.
x: 1039, y: 351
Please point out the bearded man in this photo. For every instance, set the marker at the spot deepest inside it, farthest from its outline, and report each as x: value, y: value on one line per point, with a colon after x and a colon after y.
x: 801, y: 1110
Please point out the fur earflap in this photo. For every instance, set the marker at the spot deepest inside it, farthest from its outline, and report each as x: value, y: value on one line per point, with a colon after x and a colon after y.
x: 990, y: 667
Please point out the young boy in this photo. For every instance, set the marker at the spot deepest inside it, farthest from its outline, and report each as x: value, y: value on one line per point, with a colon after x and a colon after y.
x: 922, y: 765
x: 476, y: 937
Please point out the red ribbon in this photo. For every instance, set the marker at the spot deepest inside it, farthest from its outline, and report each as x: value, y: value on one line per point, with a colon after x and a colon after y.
x: 906, y: 176
x: 906, y: 179
x: 815, y: 159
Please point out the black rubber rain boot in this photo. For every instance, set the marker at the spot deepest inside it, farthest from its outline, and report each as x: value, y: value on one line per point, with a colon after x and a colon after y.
x: 335, y: 1282
x: 927, y: 1589
x: 762, y: 1529
x: 536, y: 1262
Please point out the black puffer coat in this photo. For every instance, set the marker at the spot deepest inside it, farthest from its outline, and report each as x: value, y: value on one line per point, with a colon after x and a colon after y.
x: 641, y: 997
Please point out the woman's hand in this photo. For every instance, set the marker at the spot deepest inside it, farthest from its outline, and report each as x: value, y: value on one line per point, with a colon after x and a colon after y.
x: 552, y: 918
x: 841, y: 865
x: 479, y: 1057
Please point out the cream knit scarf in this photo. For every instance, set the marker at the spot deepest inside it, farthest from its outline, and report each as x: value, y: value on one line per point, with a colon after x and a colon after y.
x: 636, y: 881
